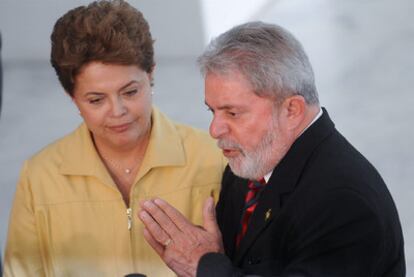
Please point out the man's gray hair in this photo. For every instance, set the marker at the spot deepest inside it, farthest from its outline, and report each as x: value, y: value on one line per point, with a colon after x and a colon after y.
x: 268, y: 56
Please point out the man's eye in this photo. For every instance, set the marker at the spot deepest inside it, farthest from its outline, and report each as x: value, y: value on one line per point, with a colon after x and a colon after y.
x: 232, y: 114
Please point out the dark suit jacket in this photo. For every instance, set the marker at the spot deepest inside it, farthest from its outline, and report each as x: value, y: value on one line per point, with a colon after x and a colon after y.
x: 324, y: 212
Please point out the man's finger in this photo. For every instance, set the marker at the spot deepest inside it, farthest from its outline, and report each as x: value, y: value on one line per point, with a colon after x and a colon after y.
x: 156, y: 231
x: 209, y: 216
x: 179, y: 220
x: 162, y: 219
x: 154, y: 244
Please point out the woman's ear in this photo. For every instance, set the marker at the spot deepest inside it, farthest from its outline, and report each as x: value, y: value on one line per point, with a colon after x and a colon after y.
x: 74, y: 102
x: 151, y: 75
x: 72, y: 97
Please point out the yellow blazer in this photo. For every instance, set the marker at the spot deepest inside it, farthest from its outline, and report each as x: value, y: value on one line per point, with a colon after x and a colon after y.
x: 69, y: 219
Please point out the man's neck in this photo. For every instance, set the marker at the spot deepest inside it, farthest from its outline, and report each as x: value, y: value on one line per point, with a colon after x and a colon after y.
x: 311, y: 115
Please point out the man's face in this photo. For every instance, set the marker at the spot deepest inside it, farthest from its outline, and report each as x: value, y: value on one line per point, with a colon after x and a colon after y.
x: 249, y: 128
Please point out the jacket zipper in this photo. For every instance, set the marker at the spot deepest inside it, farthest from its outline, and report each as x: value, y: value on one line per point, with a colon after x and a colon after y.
x: 129, y: 215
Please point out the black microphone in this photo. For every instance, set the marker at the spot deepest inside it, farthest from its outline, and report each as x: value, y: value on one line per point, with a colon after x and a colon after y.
x: 135, y: 275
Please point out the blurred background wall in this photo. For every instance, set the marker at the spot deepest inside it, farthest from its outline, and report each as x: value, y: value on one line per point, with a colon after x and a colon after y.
x: 361, y: 50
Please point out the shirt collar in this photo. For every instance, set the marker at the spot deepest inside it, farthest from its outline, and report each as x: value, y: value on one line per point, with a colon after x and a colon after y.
x: 165, y: 148
x: 313, y: 121
x: 267, y: 176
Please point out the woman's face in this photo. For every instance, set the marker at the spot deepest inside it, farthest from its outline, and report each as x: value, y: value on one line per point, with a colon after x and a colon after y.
x: 115, y: 103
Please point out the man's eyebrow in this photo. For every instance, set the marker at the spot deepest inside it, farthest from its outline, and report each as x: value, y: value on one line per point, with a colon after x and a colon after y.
x: 224, y: 107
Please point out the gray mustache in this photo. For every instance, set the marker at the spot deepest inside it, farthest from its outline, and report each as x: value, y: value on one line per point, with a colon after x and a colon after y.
x: 228, y: 144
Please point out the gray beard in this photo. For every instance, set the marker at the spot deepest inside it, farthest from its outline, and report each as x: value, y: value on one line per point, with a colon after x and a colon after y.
x: 257, y: 163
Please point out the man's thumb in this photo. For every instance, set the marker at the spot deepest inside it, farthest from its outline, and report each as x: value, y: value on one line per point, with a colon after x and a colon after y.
x: 209, y: 216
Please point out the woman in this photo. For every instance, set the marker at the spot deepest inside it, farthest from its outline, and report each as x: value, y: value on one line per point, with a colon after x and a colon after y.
x: 74, y: 212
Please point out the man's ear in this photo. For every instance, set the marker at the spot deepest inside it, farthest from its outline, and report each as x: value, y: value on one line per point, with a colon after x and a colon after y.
x: 294, y: 111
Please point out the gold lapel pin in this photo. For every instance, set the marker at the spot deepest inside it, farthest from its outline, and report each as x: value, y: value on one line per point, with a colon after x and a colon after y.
x: 268, y: 214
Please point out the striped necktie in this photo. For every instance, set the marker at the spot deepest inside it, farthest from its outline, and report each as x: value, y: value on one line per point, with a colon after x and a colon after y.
x: 250, y: 203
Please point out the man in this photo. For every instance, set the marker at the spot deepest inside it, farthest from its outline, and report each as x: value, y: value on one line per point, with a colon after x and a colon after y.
x: 323, y: 210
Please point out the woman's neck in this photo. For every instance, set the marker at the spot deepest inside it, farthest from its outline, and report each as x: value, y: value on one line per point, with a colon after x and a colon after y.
x: 126, y: 153
x: 123, y: 163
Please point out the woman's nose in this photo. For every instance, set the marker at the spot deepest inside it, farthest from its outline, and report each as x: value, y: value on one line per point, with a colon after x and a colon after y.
x: 118, y: 108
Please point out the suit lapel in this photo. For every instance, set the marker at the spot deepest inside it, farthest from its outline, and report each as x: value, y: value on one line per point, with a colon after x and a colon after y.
x: 283, y: 181
x: 266, y: 211
x: 231, y: 220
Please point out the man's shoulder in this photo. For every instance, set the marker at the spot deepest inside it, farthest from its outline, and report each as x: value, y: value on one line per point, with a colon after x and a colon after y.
x: 337, y: 155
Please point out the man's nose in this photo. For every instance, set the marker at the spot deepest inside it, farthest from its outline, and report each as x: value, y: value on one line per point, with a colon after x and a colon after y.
x: 218, y: 127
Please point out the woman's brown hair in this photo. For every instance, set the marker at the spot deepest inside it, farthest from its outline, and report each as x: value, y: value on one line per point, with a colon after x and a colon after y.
x: 106, y: 31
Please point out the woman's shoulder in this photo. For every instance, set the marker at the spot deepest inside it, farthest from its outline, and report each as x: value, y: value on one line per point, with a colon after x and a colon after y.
x: 189, y: 136
x: 198, y: 144
x: 195, y: 137
x: 55, y: 151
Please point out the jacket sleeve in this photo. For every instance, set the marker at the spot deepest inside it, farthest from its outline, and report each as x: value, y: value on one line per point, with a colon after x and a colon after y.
x: 216, y: 264
x: 22, y: 256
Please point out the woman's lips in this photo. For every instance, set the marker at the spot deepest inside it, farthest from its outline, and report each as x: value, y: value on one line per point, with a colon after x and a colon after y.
x: 120, y: 128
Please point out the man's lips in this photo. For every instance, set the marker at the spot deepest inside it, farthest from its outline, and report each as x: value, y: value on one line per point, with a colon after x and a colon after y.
x: 119, y: 128
x: 230, y: 152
